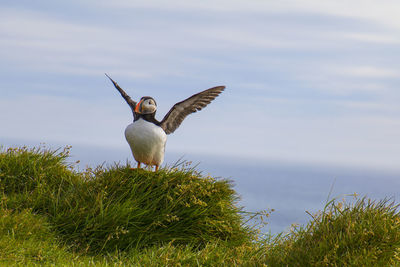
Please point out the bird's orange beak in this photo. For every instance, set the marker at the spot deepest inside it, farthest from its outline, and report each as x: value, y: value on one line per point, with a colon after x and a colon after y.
x: 138, y: 106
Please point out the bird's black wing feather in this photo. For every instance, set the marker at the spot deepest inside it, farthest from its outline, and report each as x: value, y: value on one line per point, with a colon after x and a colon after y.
x: 127, y: 98
x: 180, y: 110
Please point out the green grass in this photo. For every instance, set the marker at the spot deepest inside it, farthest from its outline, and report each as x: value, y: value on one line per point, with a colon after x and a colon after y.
x: 52, y: 214
x: 363, y: 233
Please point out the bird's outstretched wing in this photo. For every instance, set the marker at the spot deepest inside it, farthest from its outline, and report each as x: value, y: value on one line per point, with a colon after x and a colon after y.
x: 180, y: 110
x: 127, y: 98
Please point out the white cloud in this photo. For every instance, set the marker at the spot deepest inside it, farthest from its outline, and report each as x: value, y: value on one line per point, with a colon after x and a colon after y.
x: 384, y: 12
x: 371, y: 107
x: 342, y: 78
x: 34, y: 41
x: 379, y: 38
x: 37, y: 41
x: 369, y: 72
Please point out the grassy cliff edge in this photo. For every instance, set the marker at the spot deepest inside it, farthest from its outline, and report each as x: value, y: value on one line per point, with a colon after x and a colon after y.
x: 52, y: 214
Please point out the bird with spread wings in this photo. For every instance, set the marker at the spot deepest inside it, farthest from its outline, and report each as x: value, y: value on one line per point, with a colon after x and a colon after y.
x: 146, y: 135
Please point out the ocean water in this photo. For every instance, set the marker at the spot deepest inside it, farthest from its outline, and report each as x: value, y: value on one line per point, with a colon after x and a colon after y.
x: 290, y: 189
x: 293, y: 189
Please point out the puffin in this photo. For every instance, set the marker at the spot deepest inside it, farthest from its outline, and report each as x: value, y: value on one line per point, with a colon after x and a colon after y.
x: 146, y: 135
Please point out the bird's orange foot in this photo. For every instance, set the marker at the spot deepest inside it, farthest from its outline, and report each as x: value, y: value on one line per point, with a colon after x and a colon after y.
x: 137, y: 168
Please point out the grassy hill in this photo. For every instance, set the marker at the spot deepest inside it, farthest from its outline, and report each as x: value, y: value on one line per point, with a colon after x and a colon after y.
x: 51, y: 214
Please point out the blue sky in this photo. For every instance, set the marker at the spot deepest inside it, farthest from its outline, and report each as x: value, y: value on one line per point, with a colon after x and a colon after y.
x: 307, y: 81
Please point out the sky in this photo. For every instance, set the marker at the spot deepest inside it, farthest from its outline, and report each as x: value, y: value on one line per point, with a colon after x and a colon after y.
x: 307, y: 81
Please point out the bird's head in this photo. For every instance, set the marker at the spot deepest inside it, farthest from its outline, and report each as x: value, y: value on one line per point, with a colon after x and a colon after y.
x: 146, y: 105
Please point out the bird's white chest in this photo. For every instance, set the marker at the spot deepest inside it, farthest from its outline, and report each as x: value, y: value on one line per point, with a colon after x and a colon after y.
x: 147, y: 141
